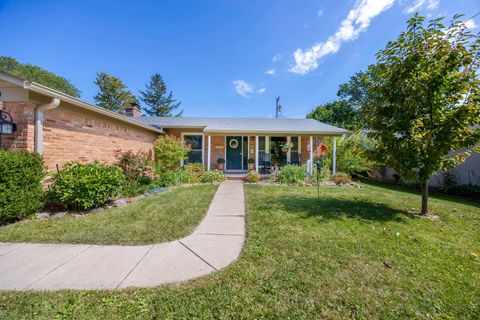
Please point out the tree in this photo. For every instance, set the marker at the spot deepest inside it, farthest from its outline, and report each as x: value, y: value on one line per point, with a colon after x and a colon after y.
x: 425, y: 100
x: 158, y: 102
x: 355, y: 92
x: 338, y: 113
x: 113, y: 94
x: 39, y: 75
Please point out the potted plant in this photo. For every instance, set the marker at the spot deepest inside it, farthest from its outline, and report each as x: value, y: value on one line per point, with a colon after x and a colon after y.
x: 251, y: 164
x: 286, y: 146
x: 220, y: 163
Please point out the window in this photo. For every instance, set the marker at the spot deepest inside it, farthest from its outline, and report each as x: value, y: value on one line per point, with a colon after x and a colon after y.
x: 294, y: 154
x: 195, y: 142
x: 261, y: 149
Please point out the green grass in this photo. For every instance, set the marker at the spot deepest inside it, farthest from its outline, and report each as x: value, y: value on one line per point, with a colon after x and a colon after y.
x: 338, y: 258
x: 163, y: 217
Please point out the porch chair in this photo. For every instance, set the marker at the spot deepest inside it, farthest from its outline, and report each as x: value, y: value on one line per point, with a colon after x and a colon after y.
x: 266, y: 164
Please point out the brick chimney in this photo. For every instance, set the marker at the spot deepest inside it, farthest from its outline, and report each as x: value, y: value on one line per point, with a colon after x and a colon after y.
x: 133, y: 110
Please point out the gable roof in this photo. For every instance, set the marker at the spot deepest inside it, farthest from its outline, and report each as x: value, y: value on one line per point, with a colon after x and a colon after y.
x: 63, y: 97
x: 244, y: 125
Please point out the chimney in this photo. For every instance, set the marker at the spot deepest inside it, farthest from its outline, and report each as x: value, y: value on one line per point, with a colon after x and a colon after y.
x: 133, y: 110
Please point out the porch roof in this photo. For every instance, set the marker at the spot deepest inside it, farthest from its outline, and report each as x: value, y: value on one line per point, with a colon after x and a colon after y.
x: 247, y: 125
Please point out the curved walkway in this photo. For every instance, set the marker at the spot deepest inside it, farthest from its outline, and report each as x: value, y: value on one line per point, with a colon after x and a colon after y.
x: 216, y: 242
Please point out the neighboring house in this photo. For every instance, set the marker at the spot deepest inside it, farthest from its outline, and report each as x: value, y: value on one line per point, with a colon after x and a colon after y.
x: 64, y: 128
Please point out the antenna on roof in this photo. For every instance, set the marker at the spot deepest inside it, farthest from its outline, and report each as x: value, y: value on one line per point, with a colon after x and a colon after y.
x: 278, y: 107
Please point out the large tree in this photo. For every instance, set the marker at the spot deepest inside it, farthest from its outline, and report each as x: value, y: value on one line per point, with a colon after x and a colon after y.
x: 425, y: 99
x: 338, y: 113
x: 39, y: 75
x: 113, y: 93
x: 158, y: 102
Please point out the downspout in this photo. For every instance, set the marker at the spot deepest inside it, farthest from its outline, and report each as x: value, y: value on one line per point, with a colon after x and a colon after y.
x: 39, y: 110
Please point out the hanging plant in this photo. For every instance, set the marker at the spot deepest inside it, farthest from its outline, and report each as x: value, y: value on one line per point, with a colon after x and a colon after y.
x: 286, y: 146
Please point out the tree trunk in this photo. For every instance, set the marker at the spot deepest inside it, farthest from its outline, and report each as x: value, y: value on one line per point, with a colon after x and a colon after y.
x: 424, y: 186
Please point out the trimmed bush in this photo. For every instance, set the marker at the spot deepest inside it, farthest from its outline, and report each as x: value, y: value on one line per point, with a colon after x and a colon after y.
x: 213, y: 176
x: 292, y: 174
x: 195, y: 171
x: 341, y: 178
x: 174, y: 178
x: 253, y: 176
x: 85, y: 186
x: 21, y: 192
x: 169, y: 152
x: 137, y: 167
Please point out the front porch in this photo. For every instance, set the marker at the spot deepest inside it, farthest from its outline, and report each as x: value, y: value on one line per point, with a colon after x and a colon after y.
x: 236, y: 154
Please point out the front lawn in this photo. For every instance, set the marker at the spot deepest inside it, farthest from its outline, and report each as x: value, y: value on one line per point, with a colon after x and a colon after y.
x: 354, y: 254
x: 163, y: 217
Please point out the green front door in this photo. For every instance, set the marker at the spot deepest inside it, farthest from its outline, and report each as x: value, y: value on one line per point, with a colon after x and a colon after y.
x: 234, y: 153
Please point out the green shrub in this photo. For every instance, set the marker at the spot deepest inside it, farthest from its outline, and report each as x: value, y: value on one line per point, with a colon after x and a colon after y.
x: 213, y: 176
x: 137, y: 167
x: 341, y: 178
x: 174, y: 178
x: 292, y: 174
x: 195, y: 170
x: 253, y: 176
x: 85, y: 186
x: 169, y: 152
x: 21, y: 192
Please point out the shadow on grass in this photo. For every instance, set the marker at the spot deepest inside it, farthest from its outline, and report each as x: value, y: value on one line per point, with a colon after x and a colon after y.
x: 336, y: 208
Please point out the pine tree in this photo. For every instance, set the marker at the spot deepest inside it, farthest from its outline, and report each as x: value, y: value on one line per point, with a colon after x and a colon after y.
x: 158, y: 102
x: 113, y: 94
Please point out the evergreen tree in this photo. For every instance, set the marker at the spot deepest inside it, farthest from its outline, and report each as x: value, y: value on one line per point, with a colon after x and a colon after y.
x: 39, y: 75
x: 113, y: 94
x: 158, y: 102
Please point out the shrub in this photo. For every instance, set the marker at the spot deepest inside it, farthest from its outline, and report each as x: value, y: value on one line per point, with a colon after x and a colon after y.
x: 213, y: 176
x: 195, y: 171
x: 21, y: 192
x: 341, y: 178
x: 253, y: 176
x: 174, y: 178
x: 85, y: 186
x: 169, y: 152
x: 137, y: 167
x: 324, y: 172
x: 292, y: 174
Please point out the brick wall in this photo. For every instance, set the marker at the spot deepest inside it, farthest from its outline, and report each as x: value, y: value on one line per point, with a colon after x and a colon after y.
x: 73, y: 135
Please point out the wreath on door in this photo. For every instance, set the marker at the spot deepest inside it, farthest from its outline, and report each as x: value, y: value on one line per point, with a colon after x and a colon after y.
x: 233, y: 143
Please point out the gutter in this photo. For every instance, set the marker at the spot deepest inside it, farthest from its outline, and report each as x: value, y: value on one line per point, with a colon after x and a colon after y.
x: 39, y: 110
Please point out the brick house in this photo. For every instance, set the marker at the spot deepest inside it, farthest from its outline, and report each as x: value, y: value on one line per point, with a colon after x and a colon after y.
x: 63, y: 128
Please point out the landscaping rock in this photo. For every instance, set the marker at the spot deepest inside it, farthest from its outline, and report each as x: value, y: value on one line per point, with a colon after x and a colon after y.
x: 120, y: 202
x: 97, y: 210
x: 59, y: 215
x: 155, y: 191
x: 137, y: 198
x: 43, y: 215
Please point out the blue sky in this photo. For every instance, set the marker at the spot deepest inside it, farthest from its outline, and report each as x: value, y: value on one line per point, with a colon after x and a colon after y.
x: 220, y: 57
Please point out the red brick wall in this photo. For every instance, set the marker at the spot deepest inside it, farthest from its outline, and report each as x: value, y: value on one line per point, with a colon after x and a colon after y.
x: 73, y: 135
x: 23, y: 116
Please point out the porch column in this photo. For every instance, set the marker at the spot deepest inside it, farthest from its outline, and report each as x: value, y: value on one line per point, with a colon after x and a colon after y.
x: 289, y: 155
x: 209, y: 153
x: 334, y: 162
x: 267, y: 145
x: 256, y: 153
x: 311, y: 156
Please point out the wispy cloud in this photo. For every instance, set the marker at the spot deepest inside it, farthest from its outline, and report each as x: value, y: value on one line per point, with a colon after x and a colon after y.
x: 243, y: 88
x: 320, y: 13
x: 357, y: 21
x: 470, y: 24
x: 261, y: 90
x: 277, y: 57
x: 421, y: 4
x: 271, y: 72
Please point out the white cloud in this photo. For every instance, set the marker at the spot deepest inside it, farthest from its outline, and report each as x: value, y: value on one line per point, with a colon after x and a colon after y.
x: 243, y: 88
x: 261, y: 90
x: 357, y: 21
x: 320, y: 13
x: 470, y: 24
x: 420, y: 4
x: 277, y: 57
x: 271, y: 72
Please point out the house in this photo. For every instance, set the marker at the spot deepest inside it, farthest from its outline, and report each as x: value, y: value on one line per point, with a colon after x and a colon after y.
x: 63, y: 128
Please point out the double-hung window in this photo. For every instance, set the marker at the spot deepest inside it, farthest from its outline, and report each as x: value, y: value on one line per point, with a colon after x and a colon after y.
x: 195, y: 143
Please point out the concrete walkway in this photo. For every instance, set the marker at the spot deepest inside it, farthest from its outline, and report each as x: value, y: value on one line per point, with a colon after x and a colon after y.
x: 216, y: 242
